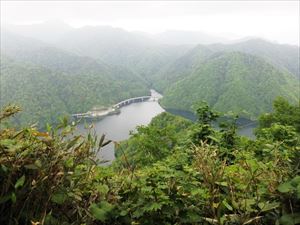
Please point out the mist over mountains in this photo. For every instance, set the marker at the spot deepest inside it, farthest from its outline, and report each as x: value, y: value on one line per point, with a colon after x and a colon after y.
x: 52, y: 31
x: 100, y: 65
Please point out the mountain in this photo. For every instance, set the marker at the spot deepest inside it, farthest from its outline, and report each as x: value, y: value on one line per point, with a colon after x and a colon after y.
x: 234, y: 81
x: 67, y: 82
x: 139, y: 52
x: 282, y: 56
x: 33, y: 89
x: 149, y: 62
x: 113, y: 45
x: 44, y: 94
x: 102, y: 65
x: 180, y: 67
x: 43, y: 54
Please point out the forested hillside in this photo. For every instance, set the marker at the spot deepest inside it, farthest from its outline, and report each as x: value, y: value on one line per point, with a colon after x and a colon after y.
x: 115, y: 46
x: 48, y: 82
x: 170, y: 172
x: 181, y: 67
x: 149, y: 112
x: 102, y: 65
x: 282, y: 56
x: 44, y: 94
x: 236, y: 82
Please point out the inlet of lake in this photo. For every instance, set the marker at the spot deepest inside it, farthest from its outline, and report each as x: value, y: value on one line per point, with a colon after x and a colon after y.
x: 118, y: 127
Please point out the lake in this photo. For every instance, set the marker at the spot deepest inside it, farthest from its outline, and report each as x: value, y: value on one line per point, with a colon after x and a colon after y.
x: 117, y: 127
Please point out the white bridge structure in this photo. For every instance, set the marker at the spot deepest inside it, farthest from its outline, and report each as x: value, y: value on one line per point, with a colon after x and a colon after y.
x: 114, y: 108
x: 131, y: 100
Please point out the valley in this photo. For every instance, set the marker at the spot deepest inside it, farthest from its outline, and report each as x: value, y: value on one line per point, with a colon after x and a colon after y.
x: 149, y: 112
x: 243, y: 78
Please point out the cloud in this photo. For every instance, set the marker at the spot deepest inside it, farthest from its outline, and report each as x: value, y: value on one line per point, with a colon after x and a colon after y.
x: 277, y: 20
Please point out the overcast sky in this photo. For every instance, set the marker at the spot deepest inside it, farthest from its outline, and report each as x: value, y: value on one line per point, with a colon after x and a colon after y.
x: 273, y: 20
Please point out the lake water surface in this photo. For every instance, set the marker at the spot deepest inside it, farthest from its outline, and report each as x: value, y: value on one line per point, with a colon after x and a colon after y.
x: 118, y: 127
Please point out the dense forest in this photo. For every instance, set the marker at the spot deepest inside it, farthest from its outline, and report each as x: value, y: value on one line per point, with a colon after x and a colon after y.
x: 219, y: 79
x: 55, y: 72
x: 172, y: 171
x: 150, y: 112
x: 47, y: 82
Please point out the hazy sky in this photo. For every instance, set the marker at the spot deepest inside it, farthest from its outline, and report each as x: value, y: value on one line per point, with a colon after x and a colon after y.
x: 274, y: 20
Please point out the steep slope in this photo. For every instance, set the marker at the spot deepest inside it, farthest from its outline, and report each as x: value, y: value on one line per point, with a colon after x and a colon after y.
x: 234, y: 81
x: 33, y: 89
x: 115, y: 46
x: 24, y: 49
x: 149, y: 62
x: 77, y: 83
x: 284, y: 57
x: 42, y: 54
x: 280, y: 55
x: 44, y: 94
x: 181, y: 67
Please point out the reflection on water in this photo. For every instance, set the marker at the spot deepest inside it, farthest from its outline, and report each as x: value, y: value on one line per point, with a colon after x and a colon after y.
x: 245, y: 126
x: 117, y: 127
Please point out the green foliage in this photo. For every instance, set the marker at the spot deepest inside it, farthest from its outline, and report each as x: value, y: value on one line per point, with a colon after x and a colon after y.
x: 203, y: 130
x: 154, y: 142
x: 237, y: 82
x: 160, y: 176
x: 229, y: 132
x: 291, y: 201
x: 278, y: 132
x: 47, y: 176
x: 205, y: 114
x: 283, y: 57
x: 283, y: 113
x: 46, y: 90
x: 236, y: 184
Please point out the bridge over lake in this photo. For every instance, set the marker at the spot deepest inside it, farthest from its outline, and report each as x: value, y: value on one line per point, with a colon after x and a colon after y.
x: 114, y: 108
x: 131, y: 100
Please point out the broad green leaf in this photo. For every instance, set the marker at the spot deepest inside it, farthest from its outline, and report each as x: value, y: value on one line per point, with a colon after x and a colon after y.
x: 123, y: 213
x: 59, y: 198
x: 266, y: 206
x: 295, y: 181
x: 20, y: 182
x: 155, y: 206
x: 38, y: 163
x: 226, y: 204
x: 7, y: 143
x: 69, y: 162
x: 223, y: 183
x: 285, y: 187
